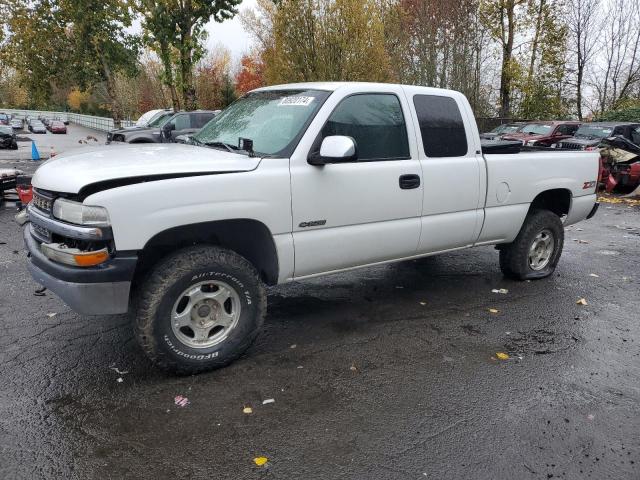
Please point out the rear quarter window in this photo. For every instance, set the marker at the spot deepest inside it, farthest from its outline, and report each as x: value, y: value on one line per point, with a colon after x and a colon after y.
x: 441, y: 126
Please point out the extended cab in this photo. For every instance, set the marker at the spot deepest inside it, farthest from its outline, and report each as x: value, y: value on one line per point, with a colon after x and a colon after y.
x: 289, y: 182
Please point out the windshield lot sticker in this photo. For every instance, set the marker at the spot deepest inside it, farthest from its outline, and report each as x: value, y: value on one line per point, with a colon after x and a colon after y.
x: 296, y: 101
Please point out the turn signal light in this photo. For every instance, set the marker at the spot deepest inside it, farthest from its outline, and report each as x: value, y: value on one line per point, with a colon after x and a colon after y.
x: 74, y: 257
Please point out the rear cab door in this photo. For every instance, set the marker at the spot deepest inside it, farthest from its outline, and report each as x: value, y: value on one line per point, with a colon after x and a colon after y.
x: 453, y: 170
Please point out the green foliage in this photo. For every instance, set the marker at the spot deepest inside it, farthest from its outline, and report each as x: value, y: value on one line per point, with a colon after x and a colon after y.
x: 175, y: 29
x: 628, y: 114
x: 327, y: 40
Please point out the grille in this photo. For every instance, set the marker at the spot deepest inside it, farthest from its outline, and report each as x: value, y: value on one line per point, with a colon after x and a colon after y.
x: 42, y: 202
x: 570, y: 146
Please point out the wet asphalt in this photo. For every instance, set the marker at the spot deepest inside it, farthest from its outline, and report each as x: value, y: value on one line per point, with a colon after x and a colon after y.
x: 383, y: 373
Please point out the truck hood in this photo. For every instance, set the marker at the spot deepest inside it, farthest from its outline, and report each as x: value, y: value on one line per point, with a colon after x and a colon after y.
x: 71, y: 172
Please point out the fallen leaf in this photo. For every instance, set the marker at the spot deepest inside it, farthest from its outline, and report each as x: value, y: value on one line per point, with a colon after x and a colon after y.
x: 423, y: 303
x: 51, y: 315
x: 293, y: 346
x: 494, y: 310
x: 119, y: 380
x: 268, y: 400
x: 594, y: 275
x: 504, y: 291
x: 502, y: 356
x: 247, y: 410
x: 353, y: 367
x: 260, y: 461
x: 582, y: 301
x: 181, y: 401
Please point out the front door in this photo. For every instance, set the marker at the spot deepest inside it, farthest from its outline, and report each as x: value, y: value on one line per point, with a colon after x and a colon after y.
x: 363, y: 211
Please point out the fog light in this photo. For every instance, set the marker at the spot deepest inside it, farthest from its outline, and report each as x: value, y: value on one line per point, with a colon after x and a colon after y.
x: 74, y: 257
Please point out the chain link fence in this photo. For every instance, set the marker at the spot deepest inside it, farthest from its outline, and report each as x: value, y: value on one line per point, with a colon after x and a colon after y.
x: 103, y: 124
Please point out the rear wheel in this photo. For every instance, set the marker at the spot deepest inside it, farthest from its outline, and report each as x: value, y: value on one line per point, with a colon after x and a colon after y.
x: 199, y: 309
x: 536, y: 250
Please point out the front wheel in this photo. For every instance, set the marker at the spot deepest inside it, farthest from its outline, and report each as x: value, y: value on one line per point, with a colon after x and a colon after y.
x: 536, y: 250
x: 199, y: 309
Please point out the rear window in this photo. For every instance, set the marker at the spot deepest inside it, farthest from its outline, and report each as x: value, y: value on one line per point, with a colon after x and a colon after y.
x: 441, y: 126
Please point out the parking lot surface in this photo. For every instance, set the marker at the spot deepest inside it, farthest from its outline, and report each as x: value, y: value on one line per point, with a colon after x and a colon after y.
x: 46, y: 143
x: 388, y: 372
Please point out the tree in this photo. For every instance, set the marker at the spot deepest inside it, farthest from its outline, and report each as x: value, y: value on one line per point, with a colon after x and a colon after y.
x: 502, y: 19
x: 179, y: 24
x: 619, y: 70
x: 321, y: 40
x: 251, y: 74
x: 101, y: 48
x: 582, y: 23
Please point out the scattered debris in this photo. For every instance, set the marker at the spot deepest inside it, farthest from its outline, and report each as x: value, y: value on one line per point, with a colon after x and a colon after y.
x: 579, y: 240
x: 502, y: 356
x: 447, y: 359
x: 118, y: 371
x: 40, y: 292
x: 353, y: 367
x: 268, y: 401
x: 503, y: 291
x: 293, y: 346
x: 119, y: 379
x: 181, y: 401
x: 299, y: 366
x: 51, y: 315
x: 582, y: 301
x: 594, y: 275
x: 591, y: 416
x: 247, y: 410
x: 494, y: 310
x: 423, y: 303
x: 260, y: 461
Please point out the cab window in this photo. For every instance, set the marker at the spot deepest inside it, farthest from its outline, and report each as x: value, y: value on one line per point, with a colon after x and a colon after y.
x: 376, y: 123
x: 441, y: 126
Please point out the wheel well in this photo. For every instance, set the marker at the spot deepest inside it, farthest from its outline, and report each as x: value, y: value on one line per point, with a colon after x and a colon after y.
x: 249, y: 238
x: 557, y: 201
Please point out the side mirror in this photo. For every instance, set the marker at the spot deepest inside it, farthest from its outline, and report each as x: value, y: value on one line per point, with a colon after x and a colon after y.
x: 335, y: 149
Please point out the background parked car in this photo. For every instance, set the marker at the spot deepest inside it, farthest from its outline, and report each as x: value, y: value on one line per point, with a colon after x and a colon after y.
x: 544, y: 133
x: 16, y: 124
x: 4, y: 119
x: 185, y: 123
x: 8, y: 137
x: 57, y: 126
x: 500, y: 130
x: 36, y: 126
x: 589, y: 135
x: 142, y: 133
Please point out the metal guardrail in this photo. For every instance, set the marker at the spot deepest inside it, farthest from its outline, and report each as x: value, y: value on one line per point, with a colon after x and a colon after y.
x: 103, y: 124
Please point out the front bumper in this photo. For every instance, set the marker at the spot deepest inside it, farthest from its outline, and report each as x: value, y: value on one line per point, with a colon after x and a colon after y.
x: 101, y: 290
x: 593, y: 210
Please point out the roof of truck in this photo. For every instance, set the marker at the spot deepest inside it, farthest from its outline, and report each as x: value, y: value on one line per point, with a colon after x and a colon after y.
x: 332, y: 86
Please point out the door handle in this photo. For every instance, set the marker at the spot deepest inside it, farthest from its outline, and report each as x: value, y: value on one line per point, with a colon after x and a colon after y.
x: 408, y: 182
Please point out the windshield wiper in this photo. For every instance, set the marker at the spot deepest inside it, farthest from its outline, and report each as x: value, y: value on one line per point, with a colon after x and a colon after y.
x: 228, y: 146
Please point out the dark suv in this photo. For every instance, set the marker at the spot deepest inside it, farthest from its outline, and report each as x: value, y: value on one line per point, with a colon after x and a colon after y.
x: 185, y: 123
x: 589, y: 135
x: 164, y: 128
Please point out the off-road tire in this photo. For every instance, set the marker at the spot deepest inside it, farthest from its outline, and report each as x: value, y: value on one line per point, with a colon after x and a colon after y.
x: 163, y: 286
x: 514, y: 257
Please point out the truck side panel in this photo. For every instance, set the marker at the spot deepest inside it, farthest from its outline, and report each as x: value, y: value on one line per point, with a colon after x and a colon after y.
x: 514, y: 181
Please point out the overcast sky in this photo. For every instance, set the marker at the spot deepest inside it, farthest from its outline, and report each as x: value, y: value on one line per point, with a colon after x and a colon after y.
x: 230, y: 33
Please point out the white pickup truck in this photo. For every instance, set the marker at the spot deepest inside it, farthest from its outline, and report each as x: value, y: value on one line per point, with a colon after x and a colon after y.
x: 289, y: 182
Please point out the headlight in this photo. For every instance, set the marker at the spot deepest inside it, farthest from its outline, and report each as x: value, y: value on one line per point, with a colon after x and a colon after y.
x: 79, y: 214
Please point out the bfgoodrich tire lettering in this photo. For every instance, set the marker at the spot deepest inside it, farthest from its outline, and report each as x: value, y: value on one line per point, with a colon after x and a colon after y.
x: 515, y: 258
x: 164, y: 287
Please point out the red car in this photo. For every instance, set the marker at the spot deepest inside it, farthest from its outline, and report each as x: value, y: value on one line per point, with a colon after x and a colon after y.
x: 58, y: 126
x: 543, y: 134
